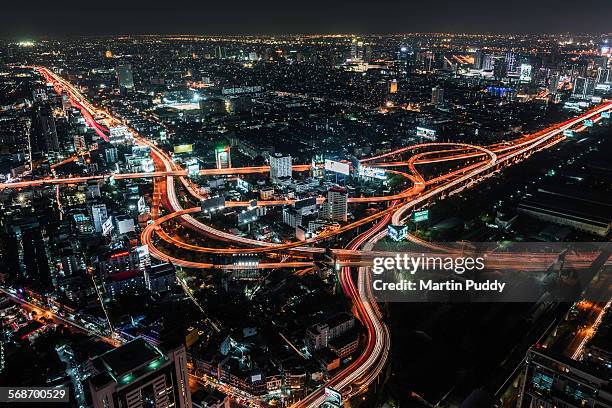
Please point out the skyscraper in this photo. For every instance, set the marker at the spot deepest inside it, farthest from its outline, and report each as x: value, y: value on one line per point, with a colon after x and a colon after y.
x: 44, y: 132
x: 336, y: 207
x: 555, y: 381
x: 437, y: 95
x: 98, y: 216
x: 583, y: 88
x: 280, y: 166
x: 138, y: 374
x: 125, y: 77
x: 404, y: 58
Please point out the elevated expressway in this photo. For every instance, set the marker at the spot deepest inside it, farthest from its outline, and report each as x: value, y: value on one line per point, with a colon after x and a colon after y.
x: 352, y: 380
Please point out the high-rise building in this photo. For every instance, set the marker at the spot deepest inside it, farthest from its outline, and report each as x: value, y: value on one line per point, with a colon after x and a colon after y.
x: 393, y: 86
x: 79, y: 143
x: 356, y: 50
x: 583, y: 88
x: 220, y: 52
x: 556, y: 381
x: 437, y: 95
x: 138, y: 375
x: 223, y: 157
x: 604, y: 75
x: 119, y: 134
x: 404, y: 57
x: 125, y: 77
x: 280, y: 166
x: 510, y: 61
x: 98, y: 216
x: 336, y: 207
x: 45, y: 134
x: 478, y: 57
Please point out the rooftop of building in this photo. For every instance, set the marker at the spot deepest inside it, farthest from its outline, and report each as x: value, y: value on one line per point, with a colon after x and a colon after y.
x: 125, y: 359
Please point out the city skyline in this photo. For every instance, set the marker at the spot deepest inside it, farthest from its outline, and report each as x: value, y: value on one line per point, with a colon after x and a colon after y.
x: 303, y: 221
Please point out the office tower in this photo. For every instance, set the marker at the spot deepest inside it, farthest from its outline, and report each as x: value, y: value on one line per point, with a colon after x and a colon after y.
x: 478, y: 57
x: 79, y: 143
x: 604, y: 75
x: 98, y: 216
x: 125, y: 77
x: 404, y: 58
x: 28, y: 253
x: 280, y: 166
x: 487, y: 62
x: 119, y: 134
x: 584, y: 88
x: 437, y: 95
x: 110, y: 155
x: 220, y: 52
x: 554, y: 84
x: 336, y: 207
x: 138, y: 375
x: 355, y: 46
x: 555, y: 381
x: 44, y: 132
x: 500, y: 68
x: 510, y: 61
x: 393, y: 86
x: 223, y: 157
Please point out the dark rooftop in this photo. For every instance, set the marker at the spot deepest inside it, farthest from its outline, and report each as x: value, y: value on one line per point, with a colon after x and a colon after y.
x: 128, y: 357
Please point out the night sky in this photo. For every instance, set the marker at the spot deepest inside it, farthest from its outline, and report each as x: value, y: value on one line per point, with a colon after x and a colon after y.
x: 31, y: 18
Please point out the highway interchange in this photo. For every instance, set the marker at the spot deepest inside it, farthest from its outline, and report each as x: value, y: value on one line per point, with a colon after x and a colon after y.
x: 480, y: 163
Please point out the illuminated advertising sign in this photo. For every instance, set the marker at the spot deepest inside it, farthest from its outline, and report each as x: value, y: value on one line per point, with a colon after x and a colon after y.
x: 193, y: 169
x: 397, y: 232
x: 337, y: 167
x: 525, y: 73
x: 333, y: 397
x: 107, y: 226
x: 568, y: 133
x: 372, y: 172
x: 419, y: 216
x: 426, y: 133
x: 605, y: 115
x: 243, y: 185
x: 184, y: 148
x: 588, y: 123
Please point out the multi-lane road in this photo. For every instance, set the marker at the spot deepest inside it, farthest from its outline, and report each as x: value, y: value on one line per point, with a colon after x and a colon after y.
x: 480, y: 163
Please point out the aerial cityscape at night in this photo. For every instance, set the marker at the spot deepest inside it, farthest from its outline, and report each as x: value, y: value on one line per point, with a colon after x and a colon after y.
x: 414, y: 219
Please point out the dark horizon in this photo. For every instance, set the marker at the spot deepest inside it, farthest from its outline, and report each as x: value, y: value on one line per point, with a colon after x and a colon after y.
x: 317, y: 17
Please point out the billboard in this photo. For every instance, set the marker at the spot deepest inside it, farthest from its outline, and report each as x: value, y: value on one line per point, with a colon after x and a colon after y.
x: 372, y: 172
x: 426, y: 133
x: 419, y: 216
x: 588, y: 123
x: 107, y: 226
x: 605, y: 115
x: 333, y: 396
x: 193, y: 169
x: 337, y: 167
x: 184, y: 148
x: 525, y: 73
x: 243, y: 185
x: 397, y: 232
x: 568, y: 133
